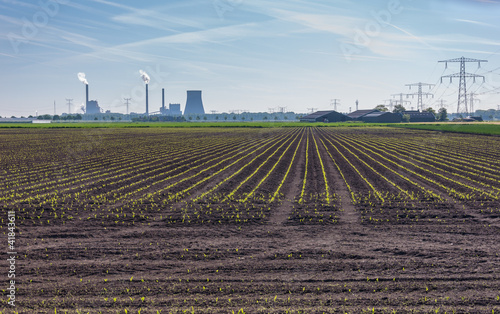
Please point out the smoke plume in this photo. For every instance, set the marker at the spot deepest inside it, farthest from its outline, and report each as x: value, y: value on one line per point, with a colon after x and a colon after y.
x: 81, y: 77
x: 145, y: 76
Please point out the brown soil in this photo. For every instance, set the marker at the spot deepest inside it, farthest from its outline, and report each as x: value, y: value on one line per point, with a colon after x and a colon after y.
x: 423, y: 256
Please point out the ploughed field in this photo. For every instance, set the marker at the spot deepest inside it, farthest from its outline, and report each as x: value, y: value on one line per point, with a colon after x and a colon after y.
x: 285, y: 220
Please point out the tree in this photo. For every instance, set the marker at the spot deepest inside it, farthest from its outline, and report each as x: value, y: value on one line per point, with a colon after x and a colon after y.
x: 406, y: 118
x: 442, y: 114
x: 55, y: 117
x: 382, y: 108
x: 430, y: 110
x: 399, y: 109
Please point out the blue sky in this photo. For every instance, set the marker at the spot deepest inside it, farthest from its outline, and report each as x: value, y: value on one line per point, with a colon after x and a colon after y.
x: 243, y: 54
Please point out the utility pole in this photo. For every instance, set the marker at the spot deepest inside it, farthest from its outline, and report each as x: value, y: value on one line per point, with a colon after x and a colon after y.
x: 54, y: 107
x: 462, y: 90
x: 401, y: 101
x: 127, y: 102
x: 420, y: 93
x: 335, y: 102
x: 69, y: 105
x: 271, y: 110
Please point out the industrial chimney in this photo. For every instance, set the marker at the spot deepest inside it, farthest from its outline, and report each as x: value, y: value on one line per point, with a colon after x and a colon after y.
x: 163, y: 98
x: 147, y: 101
x: 194, y: 104
x: 146, y: 79
x: 87, y: 95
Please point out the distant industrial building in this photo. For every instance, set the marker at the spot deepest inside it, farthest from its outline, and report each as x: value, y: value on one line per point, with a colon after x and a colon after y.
x: 417, y: 116
x: 325, y: 116
x: 172, y: 110
x: 194, y: 104
x: 382, y: 117
x: 359, y: 114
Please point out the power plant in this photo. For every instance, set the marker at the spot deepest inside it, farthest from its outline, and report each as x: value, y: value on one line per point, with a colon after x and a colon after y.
x: 194, y: 104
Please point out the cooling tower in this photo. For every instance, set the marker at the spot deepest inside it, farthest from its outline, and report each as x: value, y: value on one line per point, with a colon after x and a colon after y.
x: 194, y: 105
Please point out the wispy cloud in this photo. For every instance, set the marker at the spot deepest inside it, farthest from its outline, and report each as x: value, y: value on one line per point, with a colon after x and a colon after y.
x: 155, y: 19
x: 476, y: 23
x: 335, y: 24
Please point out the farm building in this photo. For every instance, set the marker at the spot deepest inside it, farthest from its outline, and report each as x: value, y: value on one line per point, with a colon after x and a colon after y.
x: 325, y: 116
x: 359, y: 114
x: 417, y: 116
x: 382, y: 117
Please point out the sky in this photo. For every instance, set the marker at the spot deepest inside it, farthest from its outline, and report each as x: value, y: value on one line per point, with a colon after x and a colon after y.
x: 250, y: 55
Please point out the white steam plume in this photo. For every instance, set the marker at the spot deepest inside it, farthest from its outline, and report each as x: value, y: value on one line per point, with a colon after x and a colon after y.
x: 145, y: 76
x: 81, y: 77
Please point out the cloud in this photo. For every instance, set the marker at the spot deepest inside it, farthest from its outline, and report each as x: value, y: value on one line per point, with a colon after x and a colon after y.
x: 476, y: 23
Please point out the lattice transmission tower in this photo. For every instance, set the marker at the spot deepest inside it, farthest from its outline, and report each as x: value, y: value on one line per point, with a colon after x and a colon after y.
x: 462, y: 105
x: 420, y: 93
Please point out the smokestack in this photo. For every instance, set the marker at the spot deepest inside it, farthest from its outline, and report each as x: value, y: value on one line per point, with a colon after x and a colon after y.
x: 163, y: 98
x: 357, y: 103
x: 147, y: 100
x: 87, y: 94
x: 146, y: 79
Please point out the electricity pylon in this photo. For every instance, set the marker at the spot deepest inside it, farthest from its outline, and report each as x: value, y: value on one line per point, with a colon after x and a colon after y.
x: 401, y: 101
x: 335, y: 102
x: 127, y: 102
x: 462, y: 90
x: 472, y: 100
x: 420, y: 93
x: 69, y: 104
